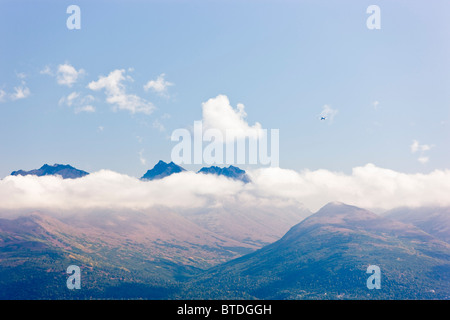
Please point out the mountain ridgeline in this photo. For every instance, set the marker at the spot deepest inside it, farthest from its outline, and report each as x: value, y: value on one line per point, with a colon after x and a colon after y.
x: 230, y: 172
x: 173, y: 255
x: 326, y: 256
x: 65, y: 171
x: 159, y: 171
x: 163, y: 169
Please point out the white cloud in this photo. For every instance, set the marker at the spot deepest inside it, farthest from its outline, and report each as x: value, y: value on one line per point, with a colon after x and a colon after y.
x: 219, y: 114
x: 328, y: 113
x: 422, y: 148
x: 69, y: 100
x: 159, y: 85
x: 107, y: 189
x: 368, y: 187
x: 116, y: 93
x: 20, y: 92
x: 67, y: 75
x: 416, y: 146
x: 88, y: 109
x: 81, y: 103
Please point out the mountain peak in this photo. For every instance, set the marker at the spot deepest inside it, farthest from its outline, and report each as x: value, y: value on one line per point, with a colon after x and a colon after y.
x: 329, y: 252
x: 338, y: 212
x: 340, y: 216
x: 230, y: 172
x: 162, y: 169
x: 65, y: 171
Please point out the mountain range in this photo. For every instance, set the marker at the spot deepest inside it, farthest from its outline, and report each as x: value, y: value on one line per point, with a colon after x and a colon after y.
x: 159, y: 171
x: 433, y: 220
x: 163, y: 254
x: 65, y: 171
x: 326, y: 256
x: 230, y: 172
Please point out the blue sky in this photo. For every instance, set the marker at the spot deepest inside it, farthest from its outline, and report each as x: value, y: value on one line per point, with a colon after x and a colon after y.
x: 284, y: 60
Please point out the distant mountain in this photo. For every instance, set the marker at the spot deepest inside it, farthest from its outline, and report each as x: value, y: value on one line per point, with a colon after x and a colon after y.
x: 326, y: 257
x: 65, y: 171
x: 246, y: 223
x: 230, y: 172
x: 161, y: 170
x: 130, y: 254
x: 433, y: 220
x: 121, y: 255
x: 168, y: 255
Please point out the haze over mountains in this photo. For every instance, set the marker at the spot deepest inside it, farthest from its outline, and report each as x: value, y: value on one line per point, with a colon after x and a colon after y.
x: 433, y: 220
x: 211, y: 234
x: 163, y: 254
x: 151, y: 250
x: 326, y: 257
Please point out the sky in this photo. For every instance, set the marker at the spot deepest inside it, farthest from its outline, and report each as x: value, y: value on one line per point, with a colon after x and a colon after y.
x: 110, y: 94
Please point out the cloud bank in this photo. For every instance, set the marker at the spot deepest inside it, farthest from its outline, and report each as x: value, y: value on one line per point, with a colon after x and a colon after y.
x: 368, y: 186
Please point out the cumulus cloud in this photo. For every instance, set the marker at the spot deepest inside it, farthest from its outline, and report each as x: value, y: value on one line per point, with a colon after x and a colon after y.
x: 160, y: 86
x: 368, y: 187
x: 116, y: 94
x: 20, y: 92
x: 66, y: 74
x: 220, y: 115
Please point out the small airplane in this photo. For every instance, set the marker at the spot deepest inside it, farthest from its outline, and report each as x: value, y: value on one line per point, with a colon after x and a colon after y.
x: 323, y: 118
